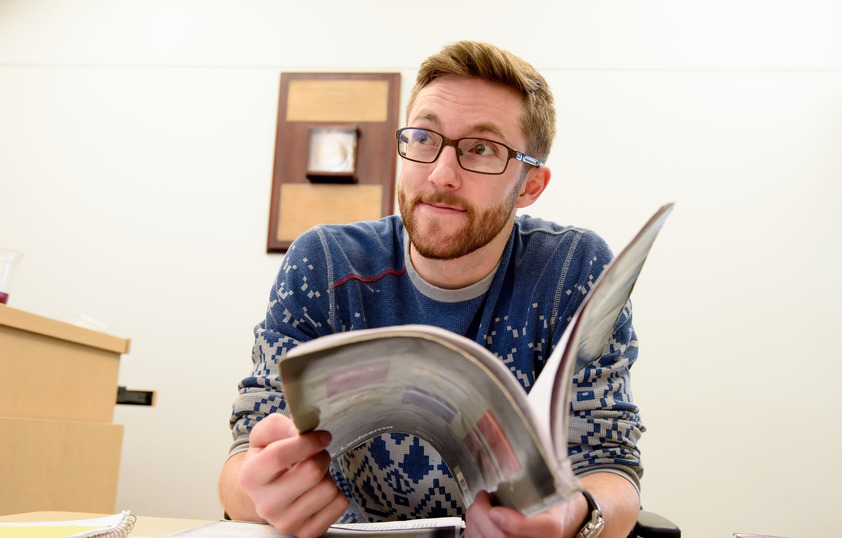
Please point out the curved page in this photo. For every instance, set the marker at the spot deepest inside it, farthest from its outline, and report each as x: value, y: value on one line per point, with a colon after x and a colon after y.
x: 586, y: 335
x: 438, y: 386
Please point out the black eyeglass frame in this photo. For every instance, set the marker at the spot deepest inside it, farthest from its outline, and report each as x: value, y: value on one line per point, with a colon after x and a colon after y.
x: 454, y: 142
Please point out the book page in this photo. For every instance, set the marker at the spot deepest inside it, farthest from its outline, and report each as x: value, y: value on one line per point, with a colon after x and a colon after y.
x: 438, y: 386
x: 443, y: 527
x: 591, y: 327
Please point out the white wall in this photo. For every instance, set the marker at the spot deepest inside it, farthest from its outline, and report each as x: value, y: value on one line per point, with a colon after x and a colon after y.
x: 136, y: 148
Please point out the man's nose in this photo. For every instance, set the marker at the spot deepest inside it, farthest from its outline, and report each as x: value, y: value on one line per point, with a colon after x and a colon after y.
x: 446, y: 169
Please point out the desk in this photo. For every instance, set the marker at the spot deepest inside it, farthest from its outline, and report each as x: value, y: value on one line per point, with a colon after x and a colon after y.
x: 58, y: 385
x: 144, y: 526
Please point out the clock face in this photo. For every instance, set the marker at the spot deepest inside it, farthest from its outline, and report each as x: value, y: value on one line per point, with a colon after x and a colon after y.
x: 332, y: 150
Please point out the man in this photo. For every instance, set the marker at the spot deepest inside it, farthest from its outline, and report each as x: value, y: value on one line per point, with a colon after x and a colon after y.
x: 480, y: 124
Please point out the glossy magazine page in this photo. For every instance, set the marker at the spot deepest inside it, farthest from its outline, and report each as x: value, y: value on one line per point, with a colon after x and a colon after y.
x: 438, y: 386
x: 591, y: 327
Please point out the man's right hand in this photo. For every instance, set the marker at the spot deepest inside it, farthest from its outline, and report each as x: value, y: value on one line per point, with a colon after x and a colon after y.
x: 285, y: 479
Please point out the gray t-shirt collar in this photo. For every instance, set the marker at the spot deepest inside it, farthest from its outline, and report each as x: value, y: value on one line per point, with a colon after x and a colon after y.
x: 441, y: 294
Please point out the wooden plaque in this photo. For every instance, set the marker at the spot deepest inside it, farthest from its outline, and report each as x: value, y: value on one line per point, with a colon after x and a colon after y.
x: 363, y: 189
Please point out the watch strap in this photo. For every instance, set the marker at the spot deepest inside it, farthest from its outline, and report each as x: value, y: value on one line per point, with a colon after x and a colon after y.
x: 594, y: 523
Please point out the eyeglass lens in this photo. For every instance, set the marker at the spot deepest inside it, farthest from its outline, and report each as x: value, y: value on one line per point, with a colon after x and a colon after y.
x: 475, y: 154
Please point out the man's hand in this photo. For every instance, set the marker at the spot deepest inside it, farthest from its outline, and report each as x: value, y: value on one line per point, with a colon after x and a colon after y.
x: 617, y: 497
x: 286, y: 480
x: 487, y: 521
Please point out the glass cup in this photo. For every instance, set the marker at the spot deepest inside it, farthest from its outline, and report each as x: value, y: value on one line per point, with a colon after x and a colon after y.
x: 8, y: 262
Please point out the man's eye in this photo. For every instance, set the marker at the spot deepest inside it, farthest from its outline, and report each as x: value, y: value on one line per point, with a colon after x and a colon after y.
x: 422, y: 138
x: 481, y: 147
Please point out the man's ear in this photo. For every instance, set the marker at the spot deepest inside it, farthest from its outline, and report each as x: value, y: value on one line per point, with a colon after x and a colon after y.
x: 536, y: 181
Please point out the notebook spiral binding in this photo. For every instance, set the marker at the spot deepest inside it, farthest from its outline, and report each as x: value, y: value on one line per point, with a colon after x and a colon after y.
x: 120, y: 530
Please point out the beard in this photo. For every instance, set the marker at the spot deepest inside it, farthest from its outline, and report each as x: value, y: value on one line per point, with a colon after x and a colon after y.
x: 440, y: 243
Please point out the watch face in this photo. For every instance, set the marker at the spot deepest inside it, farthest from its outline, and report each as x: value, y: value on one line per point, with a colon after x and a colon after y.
x: 332, y: 150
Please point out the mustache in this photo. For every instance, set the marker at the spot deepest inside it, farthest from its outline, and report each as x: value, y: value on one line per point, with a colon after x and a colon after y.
x: 443, y: 198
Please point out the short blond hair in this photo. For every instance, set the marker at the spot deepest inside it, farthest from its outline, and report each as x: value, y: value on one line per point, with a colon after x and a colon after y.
x: 472, y: 59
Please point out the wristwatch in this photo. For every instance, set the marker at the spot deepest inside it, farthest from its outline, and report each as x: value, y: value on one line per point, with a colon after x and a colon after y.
x: 594, y: 524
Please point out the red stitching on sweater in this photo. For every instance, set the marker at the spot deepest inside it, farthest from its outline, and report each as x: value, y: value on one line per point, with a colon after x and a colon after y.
x: 369, y: 279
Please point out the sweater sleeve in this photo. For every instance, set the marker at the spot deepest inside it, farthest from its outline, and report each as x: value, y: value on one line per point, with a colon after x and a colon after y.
x: 605, y: 425
x: 297, y: 311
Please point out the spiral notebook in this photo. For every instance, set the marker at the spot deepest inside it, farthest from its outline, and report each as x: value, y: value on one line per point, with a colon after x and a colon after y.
x: 116, y: 526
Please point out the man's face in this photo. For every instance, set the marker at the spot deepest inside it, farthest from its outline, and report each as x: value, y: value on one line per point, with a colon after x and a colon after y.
x: 449, y: 212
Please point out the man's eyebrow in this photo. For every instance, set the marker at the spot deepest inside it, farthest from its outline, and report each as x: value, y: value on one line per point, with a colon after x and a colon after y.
x: 428, y: 116
x: 475, y: 130
x: 487, y: 128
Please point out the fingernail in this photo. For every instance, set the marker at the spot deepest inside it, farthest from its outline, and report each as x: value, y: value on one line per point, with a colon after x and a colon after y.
x: 496, y: 517
x: 324, y: 437
x: 292, y: 432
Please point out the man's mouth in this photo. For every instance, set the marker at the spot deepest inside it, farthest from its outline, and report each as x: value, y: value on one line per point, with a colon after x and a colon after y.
x: 443, y: 208
x: 438, y: 205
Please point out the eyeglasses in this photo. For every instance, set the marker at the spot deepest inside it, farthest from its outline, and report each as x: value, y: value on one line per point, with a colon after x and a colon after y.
x: 474, y: 154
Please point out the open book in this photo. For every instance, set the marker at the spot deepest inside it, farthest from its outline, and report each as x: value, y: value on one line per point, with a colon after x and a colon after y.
x: 459, y: 397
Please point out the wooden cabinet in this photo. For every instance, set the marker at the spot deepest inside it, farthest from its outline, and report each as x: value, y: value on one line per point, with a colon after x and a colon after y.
x: 59, y: 449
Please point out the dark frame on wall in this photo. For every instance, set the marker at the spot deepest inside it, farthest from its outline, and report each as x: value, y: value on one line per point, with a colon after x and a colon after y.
x: 363, y: 186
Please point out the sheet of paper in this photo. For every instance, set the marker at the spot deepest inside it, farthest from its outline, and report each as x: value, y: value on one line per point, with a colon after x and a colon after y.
x: 418, y: 528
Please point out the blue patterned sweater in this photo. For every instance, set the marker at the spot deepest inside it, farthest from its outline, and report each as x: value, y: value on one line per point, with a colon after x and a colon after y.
x: 342, y: 278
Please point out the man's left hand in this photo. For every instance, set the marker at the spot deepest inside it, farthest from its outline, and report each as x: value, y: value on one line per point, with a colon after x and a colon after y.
x: 486, y: 521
